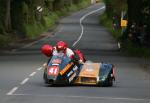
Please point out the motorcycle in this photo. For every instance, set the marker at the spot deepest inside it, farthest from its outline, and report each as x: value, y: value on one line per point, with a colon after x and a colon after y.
x: 60, y: 69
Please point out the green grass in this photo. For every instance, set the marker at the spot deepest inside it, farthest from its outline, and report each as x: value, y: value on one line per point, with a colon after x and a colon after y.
x: 73, y: 8
x: 34, y: 30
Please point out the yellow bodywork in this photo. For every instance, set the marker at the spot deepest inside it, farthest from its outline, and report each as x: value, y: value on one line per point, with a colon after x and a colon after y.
x: 66, y: 68
x: 89, y: 74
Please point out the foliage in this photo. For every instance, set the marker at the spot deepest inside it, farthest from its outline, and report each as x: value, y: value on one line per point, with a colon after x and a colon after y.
x: 127, y: 47
x: 140, y: 16
x: 33, y: 30
x: 114, y: 7
x: 29, y: 18
x: 84, y: 3
x: 107, y: 22
x: 2, y: 16
x: 51, y: 19
x: 133, y: 50
x: 4, y: 41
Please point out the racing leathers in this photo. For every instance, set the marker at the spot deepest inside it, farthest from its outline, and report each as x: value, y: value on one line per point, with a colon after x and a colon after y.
x: 71, y: 54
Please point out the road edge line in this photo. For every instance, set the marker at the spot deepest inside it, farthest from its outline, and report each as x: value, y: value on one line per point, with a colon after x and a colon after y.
x: 81, y: 25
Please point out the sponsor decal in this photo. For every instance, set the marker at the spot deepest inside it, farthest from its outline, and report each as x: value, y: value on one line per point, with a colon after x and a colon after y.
x: 56, y: 61
x: 70, y: 73
x: 75, y: 68
x: 72, y: 77
x: 55, y: 64
x: 66, y: 68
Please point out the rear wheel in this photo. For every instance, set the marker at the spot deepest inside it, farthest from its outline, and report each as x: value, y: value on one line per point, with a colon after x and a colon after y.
x: 110, y: 82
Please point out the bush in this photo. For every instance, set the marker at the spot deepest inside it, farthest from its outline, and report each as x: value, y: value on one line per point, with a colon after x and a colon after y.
x: 107, y: 22
x: 51, y: 19
x: 73, y: 8
x: 29, y: 26
x: 133, y: 50
x: 84, y: 3
x: 33, y: 30
x: 127, y: 47
x: 4, y: 40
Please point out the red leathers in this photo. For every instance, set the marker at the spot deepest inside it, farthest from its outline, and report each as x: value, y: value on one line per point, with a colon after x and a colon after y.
x: 78, y: 52
x: 61, y: 47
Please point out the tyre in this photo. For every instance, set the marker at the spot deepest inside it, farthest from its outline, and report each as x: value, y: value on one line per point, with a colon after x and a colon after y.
x: 110, y: 82
x: 45, y: 78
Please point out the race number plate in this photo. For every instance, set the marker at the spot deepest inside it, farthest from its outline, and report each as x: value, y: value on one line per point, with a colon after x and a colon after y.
x: 53, y: 70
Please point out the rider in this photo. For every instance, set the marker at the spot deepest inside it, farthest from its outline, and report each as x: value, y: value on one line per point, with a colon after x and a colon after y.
x: 61, y: 46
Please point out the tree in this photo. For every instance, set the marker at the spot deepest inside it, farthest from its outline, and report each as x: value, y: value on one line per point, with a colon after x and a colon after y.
x: 134, y: 11
x: 58, y: 4
x: 146, y: 19
x: 7, y: 22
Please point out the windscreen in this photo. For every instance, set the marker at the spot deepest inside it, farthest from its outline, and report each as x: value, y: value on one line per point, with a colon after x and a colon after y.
x: 59, y: 59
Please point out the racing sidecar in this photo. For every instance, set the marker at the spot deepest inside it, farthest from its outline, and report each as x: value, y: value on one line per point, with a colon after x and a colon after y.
x: 100, y: 74
x: 61, y: 69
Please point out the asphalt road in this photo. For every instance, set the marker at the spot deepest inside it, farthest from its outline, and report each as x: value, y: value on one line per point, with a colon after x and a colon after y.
x: 21, y: 70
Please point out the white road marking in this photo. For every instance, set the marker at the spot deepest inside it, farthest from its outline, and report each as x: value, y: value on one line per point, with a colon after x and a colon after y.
x: 82, y: 28
x: 24, y: 81
x: 12, y: 91
x: 40, y: 68
x: 32, y: 74
x: 87, y: 97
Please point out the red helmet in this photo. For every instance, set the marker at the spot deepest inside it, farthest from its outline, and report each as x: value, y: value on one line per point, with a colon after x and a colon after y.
x: 47, y: 50
x: 61, y: 46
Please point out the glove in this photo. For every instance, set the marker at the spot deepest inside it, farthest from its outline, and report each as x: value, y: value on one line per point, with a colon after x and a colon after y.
x: 81, y: 62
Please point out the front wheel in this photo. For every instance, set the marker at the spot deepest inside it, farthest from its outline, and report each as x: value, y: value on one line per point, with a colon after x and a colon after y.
x: 45, y: 78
